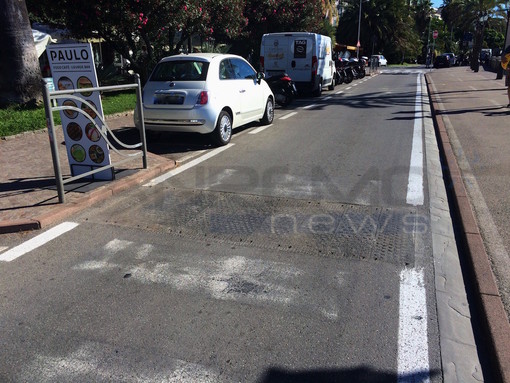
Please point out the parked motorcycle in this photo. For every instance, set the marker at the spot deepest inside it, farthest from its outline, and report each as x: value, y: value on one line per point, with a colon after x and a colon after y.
x: 344, y: 73
x: 357, y: 67
x: 283, y: 88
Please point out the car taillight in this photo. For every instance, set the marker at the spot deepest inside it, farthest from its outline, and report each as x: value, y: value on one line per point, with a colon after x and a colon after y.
x: 262, y: 63
x: 286, y: 78
x: 315, y: 64
x: 203, y: 98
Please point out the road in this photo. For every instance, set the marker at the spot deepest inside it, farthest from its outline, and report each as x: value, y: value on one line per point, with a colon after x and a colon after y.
x: 300, y: 252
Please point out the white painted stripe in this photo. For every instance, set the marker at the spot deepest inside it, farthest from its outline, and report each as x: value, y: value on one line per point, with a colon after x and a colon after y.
x: 348, y: 88
x: 340, y: 92
x: 310, y: 106
x: 415, y: 182
x: 328, y: 98
x: 2, y: 248
x: 413, y: 352
x: 187, y: 166
x: 259, y: 129
x: 37, y: 241
x: 288, y: 115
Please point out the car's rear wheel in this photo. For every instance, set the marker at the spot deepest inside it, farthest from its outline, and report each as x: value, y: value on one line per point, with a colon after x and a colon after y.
x: 223, y: 132
x: 268, y: 117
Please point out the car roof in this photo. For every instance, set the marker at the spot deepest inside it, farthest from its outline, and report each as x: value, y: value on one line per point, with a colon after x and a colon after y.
x: 198, y: 56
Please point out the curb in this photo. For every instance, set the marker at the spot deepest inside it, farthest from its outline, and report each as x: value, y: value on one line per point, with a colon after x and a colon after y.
x: 62, y: 211
x: 493, y: 318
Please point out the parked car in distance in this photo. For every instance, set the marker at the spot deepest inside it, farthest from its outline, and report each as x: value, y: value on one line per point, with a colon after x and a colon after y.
x: 453, y: 58
x: 381, y: 59
x: 208, y: 93
x: 442, y: 61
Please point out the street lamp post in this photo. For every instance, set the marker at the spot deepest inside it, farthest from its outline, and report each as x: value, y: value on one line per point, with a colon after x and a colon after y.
x: 359, y: 29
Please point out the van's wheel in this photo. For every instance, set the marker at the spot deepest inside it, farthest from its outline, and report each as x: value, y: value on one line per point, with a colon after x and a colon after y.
x: 223, y: 132
x: 268, y: 117
x: 332, y: 85
x: 318, y: 91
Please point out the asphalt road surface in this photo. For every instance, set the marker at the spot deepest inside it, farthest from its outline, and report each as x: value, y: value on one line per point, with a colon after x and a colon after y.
x: 300, y: 252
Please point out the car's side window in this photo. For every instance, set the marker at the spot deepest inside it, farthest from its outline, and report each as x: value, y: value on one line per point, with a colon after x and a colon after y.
x: 226, y: 70
x: 242, y: 70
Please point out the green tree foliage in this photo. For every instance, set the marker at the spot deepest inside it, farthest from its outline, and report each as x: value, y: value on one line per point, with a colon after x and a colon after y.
x: 164, y: 26
x: 386, y: 27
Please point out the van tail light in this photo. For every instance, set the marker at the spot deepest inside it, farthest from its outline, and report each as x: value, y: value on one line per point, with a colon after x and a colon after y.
x: 203, y: 98
x: 262, y: 63
x: 315, y: 64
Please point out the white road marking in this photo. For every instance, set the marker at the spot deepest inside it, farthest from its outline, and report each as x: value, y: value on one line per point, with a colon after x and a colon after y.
x: 312, y: 106
x: 187, y: 166
x: 348, y: 88
x: 413, y: 354
x: 2, y: 248
x: 327, y: 98
x: 288, y: 115
x: 340, y: 92
x: 37, y: 241
x: 260, y: 129
x: 415, y: 194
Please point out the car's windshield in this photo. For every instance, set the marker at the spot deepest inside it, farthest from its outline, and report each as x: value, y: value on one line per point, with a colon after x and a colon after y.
x: 180, y: 70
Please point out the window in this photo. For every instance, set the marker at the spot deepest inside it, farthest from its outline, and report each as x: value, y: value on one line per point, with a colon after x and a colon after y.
x: 226, y: 70
x: 180, y: 70
x: 243, y: 70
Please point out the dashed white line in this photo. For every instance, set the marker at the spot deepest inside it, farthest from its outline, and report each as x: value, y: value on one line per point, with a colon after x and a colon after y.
x: 37, y: 241
x: 259, y: 129
x: 187, y: 166
x: 288, y: 115
x: 310, y: 106
x: 340, y: 92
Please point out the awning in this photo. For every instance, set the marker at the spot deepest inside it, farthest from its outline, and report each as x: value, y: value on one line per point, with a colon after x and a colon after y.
x: 41, y: 39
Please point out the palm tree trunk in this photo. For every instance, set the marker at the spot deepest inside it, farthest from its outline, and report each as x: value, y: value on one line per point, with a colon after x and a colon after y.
x: 20, y: 79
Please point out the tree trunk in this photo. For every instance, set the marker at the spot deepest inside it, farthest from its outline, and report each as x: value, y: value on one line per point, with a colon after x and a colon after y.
x: 20, y: 74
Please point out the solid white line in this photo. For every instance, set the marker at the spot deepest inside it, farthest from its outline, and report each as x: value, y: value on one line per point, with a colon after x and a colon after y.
x: 413, y: 353
x: 415, y: 182
x: 259, y: 129
x: 188, y: 165
x: 288, y: 115
x: 37, y: 241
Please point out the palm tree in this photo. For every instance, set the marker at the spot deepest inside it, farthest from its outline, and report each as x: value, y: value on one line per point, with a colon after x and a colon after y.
x: 20, y: 82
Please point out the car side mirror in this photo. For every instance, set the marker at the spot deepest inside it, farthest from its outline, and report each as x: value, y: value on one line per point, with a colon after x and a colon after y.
x: 260, y: 76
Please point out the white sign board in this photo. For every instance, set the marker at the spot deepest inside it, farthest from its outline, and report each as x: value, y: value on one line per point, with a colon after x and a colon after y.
x: 72, y: 67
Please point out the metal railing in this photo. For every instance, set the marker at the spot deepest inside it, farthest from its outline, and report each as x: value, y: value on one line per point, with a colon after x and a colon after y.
x: 49, y: 100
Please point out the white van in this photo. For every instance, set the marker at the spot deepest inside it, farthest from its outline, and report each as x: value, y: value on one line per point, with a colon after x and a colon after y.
x: 305, y: 57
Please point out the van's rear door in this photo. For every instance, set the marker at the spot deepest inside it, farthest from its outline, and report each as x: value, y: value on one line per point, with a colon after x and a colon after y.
x: 276, y: 54
x: 300, y: 58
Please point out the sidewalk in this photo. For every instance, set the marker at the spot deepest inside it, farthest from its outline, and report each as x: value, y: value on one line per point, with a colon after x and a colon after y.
x: 472, y: 128
x: 28, y: 195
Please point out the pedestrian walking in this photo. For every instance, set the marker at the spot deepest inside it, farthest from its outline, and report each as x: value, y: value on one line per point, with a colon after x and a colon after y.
x: 505, y: 61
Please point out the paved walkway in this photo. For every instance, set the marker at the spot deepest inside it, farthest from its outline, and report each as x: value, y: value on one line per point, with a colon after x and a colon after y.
x: 28, y: 195
x: 473, y: 126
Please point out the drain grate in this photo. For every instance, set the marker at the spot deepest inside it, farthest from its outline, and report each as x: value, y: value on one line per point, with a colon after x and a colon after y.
x: 311, y: 227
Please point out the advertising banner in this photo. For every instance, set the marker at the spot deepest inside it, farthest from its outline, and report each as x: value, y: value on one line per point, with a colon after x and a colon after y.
x: 72, y: 67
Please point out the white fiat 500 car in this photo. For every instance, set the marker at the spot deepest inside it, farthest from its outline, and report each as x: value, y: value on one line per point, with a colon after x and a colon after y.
x: 208, y: 93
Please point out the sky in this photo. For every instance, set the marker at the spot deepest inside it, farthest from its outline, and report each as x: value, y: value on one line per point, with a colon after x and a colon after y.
x: 437, y: 3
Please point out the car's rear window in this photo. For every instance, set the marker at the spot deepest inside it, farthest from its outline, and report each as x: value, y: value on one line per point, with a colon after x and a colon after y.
x: 180, y: 70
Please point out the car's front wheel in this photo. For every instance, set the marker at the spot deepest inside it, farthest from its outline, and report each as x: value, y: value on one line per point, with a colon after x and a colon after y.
x: 268, y: 117
x: 223, y: 132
